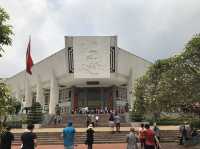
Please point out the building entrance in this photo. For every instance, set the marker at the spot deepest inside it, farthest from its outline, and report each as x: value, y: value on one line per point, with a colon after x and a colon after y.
x: 94, y: 97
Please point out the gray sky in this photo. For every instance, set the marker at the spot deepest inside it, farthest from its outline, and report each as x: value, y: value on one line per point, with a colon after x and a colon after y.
x: 152, y: 29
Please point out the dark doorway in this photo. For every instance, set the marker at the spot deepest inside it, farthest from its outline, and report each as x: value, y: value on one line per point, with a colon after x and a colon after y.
x: 93, y: 97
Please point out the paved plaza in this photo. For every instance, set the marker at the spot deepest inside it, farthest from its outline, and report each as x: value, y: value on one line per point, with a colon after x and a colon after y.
x: 111, y: 146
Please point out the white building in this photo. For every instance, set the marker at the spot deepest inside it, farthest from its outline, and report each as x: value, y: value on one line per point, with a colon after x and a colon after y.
x: 91, y: 71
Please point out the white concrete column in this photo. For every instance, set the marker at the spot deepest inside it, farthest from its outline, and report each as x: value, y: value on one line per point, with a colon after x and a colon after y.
x: 39, y: 92
x: 54, y: 94
x: 130, y: 94
x: 28, y: 100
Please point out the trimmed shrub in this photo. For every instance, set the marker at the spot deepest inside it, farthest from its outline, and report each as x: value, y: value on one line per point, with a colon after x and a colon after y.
x: 195, y: 123
x: 136, y: 116
x: 35, y: 115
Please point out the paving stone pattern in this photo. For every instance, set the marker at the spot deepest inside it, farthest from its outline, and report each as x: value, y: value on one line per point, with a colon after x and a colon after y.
x: 111, y: 146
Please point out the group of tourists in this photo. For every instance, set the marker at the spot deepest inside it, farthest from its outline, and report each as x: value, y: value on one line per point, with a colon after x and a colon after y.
x: 148, y: 138
x: 57, y: 119
x: 105, y: 110
x: 114, y: 121
x: 28, y: 138
x: 188, y: 135
x: 92, y: 119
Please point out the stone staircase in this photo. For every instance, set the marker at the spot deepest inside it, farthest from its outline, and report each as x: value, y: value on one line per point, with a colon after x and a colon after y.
x: 53, y: 138
x: 79, y: 121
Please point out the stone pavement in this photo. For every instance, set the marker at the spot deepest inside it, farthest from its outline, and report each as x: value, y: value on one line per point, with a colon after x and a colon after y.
x: 84, y: 129
x: 110, y: 146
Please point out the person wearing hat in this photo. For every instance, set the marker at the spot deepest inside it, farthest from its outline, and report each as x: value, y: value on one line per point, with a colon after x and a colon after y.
x: 90, y: 136
x: 7, y: 138
x: 69, y: 135
x: 131, y: 140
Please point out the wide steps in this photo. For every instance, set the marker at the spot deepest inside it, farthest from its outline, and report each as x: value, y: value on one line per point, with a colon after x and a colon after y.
x: 82, y: 125
x: 79, y: 121
x: 52, y: 138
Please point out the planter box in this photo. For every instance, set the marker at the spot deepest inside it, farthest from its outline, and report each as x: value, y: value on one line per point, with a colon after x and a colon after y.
x: 138, y: 124
x: 37, y: 125
x: 24, y: 126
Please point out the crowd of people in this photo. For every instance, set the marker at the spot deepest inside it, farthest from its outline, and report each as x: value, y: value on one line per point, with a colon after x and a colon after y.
x: 147, y: 137
x: 105, y: 110
x: 188, y: 135
x: 144, y: 138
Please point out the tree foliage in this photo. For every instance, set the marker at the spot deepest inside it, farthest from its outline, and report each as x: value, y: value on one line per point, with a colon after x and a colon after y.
x: 8, y: 104
x: 5, y: 30
x: 171, y: 83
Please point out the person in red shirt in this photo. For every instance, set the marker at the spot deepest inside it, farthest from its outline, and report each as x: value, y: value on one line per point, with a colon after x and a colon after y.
x: 149, y: 137
x: 141, y: 136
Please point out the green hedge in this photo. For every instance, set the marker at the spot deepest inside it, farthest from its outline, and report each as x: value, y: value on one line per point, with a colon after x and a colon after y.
x: 195, y: 123
x: 136, y: 117
x: 14, y: 124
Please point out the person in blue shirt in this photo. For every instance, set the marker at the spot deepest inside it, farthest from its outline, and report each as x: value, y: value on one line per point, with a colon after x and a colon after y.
x: 68, y: 136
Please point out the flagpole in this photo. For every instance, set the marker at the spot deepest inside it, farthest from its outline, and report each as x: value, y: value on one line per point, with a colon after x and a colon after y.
x: 25, y: 76
x: 25, y: 88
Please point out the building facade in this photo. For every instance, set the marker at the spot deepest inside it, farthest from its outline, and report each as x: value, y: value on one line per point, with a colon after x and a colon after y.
x: 91, y: 71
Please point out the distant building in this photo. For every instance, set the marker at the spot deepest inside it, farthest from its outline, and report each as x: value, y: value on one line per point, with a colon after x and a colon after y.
x: 91, y: 71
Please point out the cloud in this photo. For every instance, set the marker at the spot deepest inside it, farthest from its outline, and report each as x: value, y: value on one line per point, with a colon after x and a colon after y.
x: 151, y: 29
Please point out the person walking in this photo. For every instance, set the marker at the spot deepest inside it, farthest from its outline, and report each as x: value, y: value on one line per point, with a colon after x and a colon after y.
x: 117, y: 122
x: 131, y: 140
x: 97, y: 120
x: 7, y: 138
x: 88, y: 120
x: 141, y: 136
x: 28, y: 138
x: 111, y: 122
x: 93, y: 120
x: 150, y: 138
x: 157, y: 134
x: 68, y: 136
x: 90, y: 136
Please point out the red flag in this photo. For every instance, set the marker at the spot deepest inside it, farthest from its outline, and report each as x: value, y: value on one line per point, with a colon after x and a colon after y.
x: 29, y: 61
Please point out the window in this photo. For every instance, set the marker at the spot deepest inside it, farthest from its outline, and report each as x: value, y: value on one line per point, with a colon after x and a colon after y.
x: 70, y: 60
x: 70, y: 93
x: 64, y: 95
x: 117, y: 93
x: 33, y: 97
x: 112, y: 59
x: 46, y: 98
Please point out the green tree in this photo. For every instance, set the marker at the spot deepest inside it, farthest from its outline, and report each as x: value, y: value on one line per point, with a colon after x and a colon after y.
x: 171, y: 83
x: 5, y: 31
x: 8, y: 104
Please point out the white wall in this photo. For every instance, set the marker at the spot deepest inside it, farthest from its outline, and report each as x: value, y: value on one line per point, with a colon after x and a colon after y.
x: 128, y: 61
x: 56, y: 63
x: 91, y: 57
